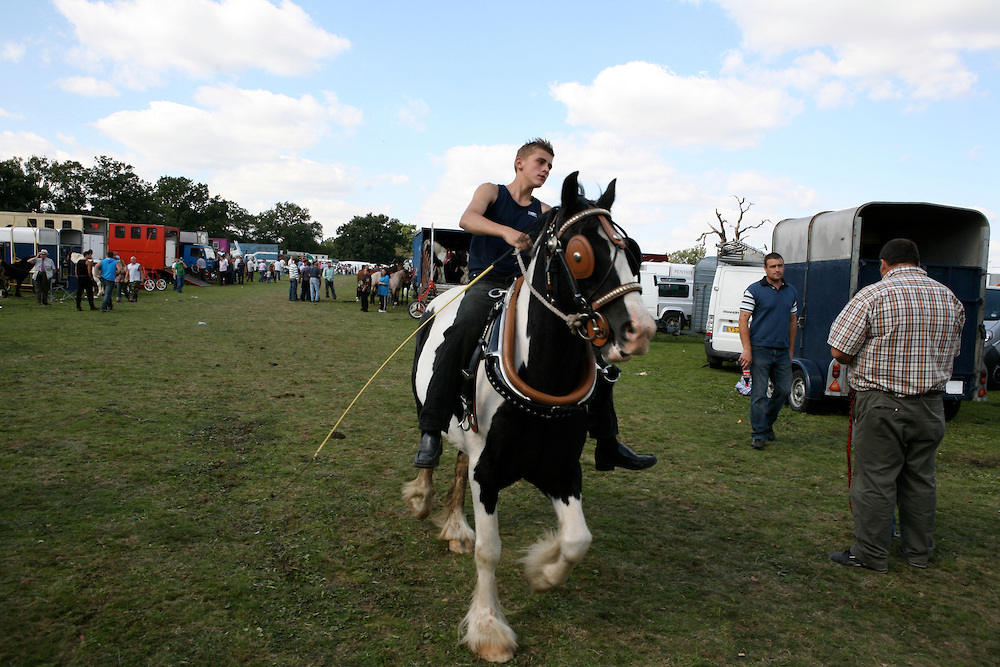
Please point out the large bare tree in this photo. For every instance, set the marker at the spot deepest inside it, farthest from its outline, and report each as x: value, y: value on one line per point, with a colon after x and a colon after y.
x: 738, y: 228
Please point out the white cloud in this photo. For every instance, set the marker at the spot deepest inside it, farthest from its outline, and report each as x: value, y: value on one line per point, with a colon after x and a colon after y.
x: 145, y: 38
x: 87, y: 86
x: 24, y: 145
x: 231, y: 126
x: 885, y: 50
x: 12, y: 52
x: 648, y: 101
x: 258, y: 185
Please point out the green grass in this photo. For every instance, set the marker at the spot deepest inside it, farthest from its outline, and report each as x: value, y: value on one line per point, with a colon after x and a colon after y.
x: 150, y: 511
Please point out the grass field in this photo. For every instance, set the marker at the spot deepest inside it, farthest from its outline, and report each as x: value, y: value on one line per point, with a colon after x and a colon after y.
x: 150, y: 512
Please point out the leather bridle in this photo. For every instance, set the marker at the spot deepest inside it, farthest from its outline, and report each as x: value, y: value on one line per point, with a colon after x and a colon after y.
x: 575, y: 257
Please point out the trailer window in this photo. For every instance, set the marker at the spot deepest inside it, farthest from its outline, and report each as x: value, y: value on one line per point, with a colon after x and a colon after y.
x: 50, y: 224
x: 32, y: 222
x: 119, y: 231
x: 151, y: 233
x: 67, y: 224
x: 137, y: 232
x: 677, y: 291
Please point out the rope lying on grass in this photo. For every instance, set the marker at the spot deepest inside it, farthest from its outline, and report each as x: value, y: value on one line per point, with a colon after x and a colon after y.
x: 337, y: 435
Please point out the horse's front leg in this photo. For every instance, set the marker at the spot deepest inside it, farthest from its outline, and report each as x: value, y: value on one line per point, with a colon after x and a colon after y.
x: 419, y: 494
x: 454, y: 527
x: 549, y: 561
x: 486, y: 631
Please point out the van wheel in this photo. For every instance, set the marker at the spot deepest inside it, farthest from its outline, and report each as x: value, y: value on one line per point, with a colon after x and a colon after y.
x: 797, y: 400
x: 951, y: 407
x: 714, y: 362
x: 671, y: 321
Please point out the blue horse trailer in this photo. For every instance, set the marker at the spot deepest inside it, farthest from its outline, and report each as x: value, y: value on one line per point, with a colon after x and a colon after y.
x: 831, y: 255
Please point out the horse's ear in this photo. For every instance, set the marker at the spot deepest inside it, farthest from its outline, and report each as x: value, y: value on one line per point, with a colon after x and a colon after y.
x: 608, y: 198
x: 570, y: 191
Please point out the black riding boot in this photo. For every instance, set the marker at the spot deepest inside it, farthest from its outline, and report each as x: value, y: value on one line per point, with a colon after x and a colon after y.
x: 429, y: 453
x: 611, y: 453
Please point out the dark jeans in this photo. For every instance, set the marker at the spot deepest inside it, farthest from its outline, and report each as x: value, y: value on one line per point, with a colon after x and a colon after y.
x: 179, y: 283
x: 293, y: 293
x: 894, y: 441
x: 330, y: 289
x: 774, y: 364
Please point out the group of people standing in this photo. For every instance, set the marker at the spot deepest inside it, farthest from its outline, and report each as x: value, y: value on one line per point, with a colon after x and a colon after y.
x: 115, y: 275
x: 306, y: 278
x: 366, y: 277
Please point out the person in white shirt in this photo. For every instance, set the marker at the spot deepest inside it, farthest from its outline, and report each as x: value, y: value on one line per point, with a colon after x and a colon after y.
x: 134, y: 272
x: 42, y: 273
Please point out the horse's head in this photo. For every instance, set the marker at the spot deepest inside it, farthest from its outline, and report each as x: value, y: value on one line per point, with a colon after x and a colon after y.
x: 591, y: 270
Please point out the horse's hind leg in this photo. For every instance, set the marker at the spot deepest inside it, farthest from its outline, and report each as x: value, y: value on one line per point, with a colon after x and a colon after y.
x: 548, y: 562
x: 454, y: 527
x: 419, y: 494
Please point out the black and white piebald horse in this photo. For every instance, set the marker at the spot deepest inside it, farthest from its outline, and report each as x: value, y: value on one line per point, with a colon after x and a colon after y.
x: 529, y: 421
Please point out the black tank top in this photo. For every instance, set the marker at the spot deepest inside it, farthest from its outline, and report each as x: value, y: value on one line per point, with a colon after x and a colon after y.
x: 484, y: 250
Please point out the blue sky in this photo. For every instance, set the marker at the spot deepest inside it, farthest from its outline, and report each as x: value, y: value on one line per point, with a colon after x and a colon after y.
x: 403, y: 108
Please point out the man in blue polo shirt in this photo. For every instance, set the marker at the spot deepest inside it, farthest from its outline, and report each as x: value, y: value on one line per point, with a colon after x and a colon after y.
x: 767, y: 331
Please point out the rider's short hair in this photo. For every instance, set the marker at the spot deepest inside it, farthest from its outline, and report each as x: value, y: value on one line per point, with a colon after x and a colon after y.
x: 527, y: 149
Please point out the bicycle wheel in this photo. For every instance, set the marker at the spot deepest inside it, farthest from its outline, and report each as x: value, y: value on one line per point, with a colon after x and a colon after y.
x: 148, y: 285
x: 416, y: 309
x: 161, y: 284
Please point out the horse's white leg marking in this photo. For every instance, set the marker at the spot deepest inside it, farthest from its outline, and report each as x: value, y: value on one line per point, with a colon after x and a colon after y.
x: 486, y: 631
x: 419, y: 494
x: 454, y: 528
x: 548, y: 562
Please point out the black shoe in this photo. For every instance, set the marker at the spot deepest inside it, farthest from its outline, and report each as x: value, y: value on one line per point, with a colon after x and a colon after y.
x: 429, y: 452
x: 758, y: 443
x: 608, y: 456
x: 850, y: 560
x: 770, y: 436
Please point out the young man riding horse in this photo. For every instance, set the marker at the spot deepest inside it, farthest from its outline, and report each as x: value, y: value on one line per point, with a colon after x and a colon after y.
x: 500, y: 218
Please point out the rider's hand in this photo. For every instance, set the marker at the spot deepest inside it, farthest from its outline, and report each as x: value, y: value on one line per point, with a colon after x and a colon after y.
x: 517, y: 239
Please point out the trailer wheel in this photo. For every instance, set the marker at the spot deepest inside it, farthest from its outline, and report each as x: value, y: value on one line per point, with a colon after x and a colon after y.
x: 416, y: 309
x: 951, y: 407
x: 161, y: 284
x: 148, y: 285
x: 797, y: 400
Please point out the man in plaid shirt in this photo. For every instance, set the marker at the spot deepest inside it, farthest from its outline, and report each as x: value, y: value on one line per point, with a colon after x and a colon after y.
x: 900, y: 337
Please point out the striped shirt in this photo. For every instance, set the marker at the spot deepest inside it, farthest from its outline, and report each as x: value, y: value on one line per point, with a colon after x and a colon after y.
x: 293, y: 271
x: 904, y: 333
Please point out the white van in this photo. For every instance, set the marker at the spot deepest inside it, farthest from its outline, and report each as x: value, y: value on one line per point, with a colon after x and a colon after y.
x: 667, y: 293
x: 722, y: 328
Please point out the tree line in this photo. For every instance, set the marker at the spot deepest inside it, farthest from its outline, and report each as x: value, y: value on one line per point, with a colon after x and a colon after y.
x: 111, y: 189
